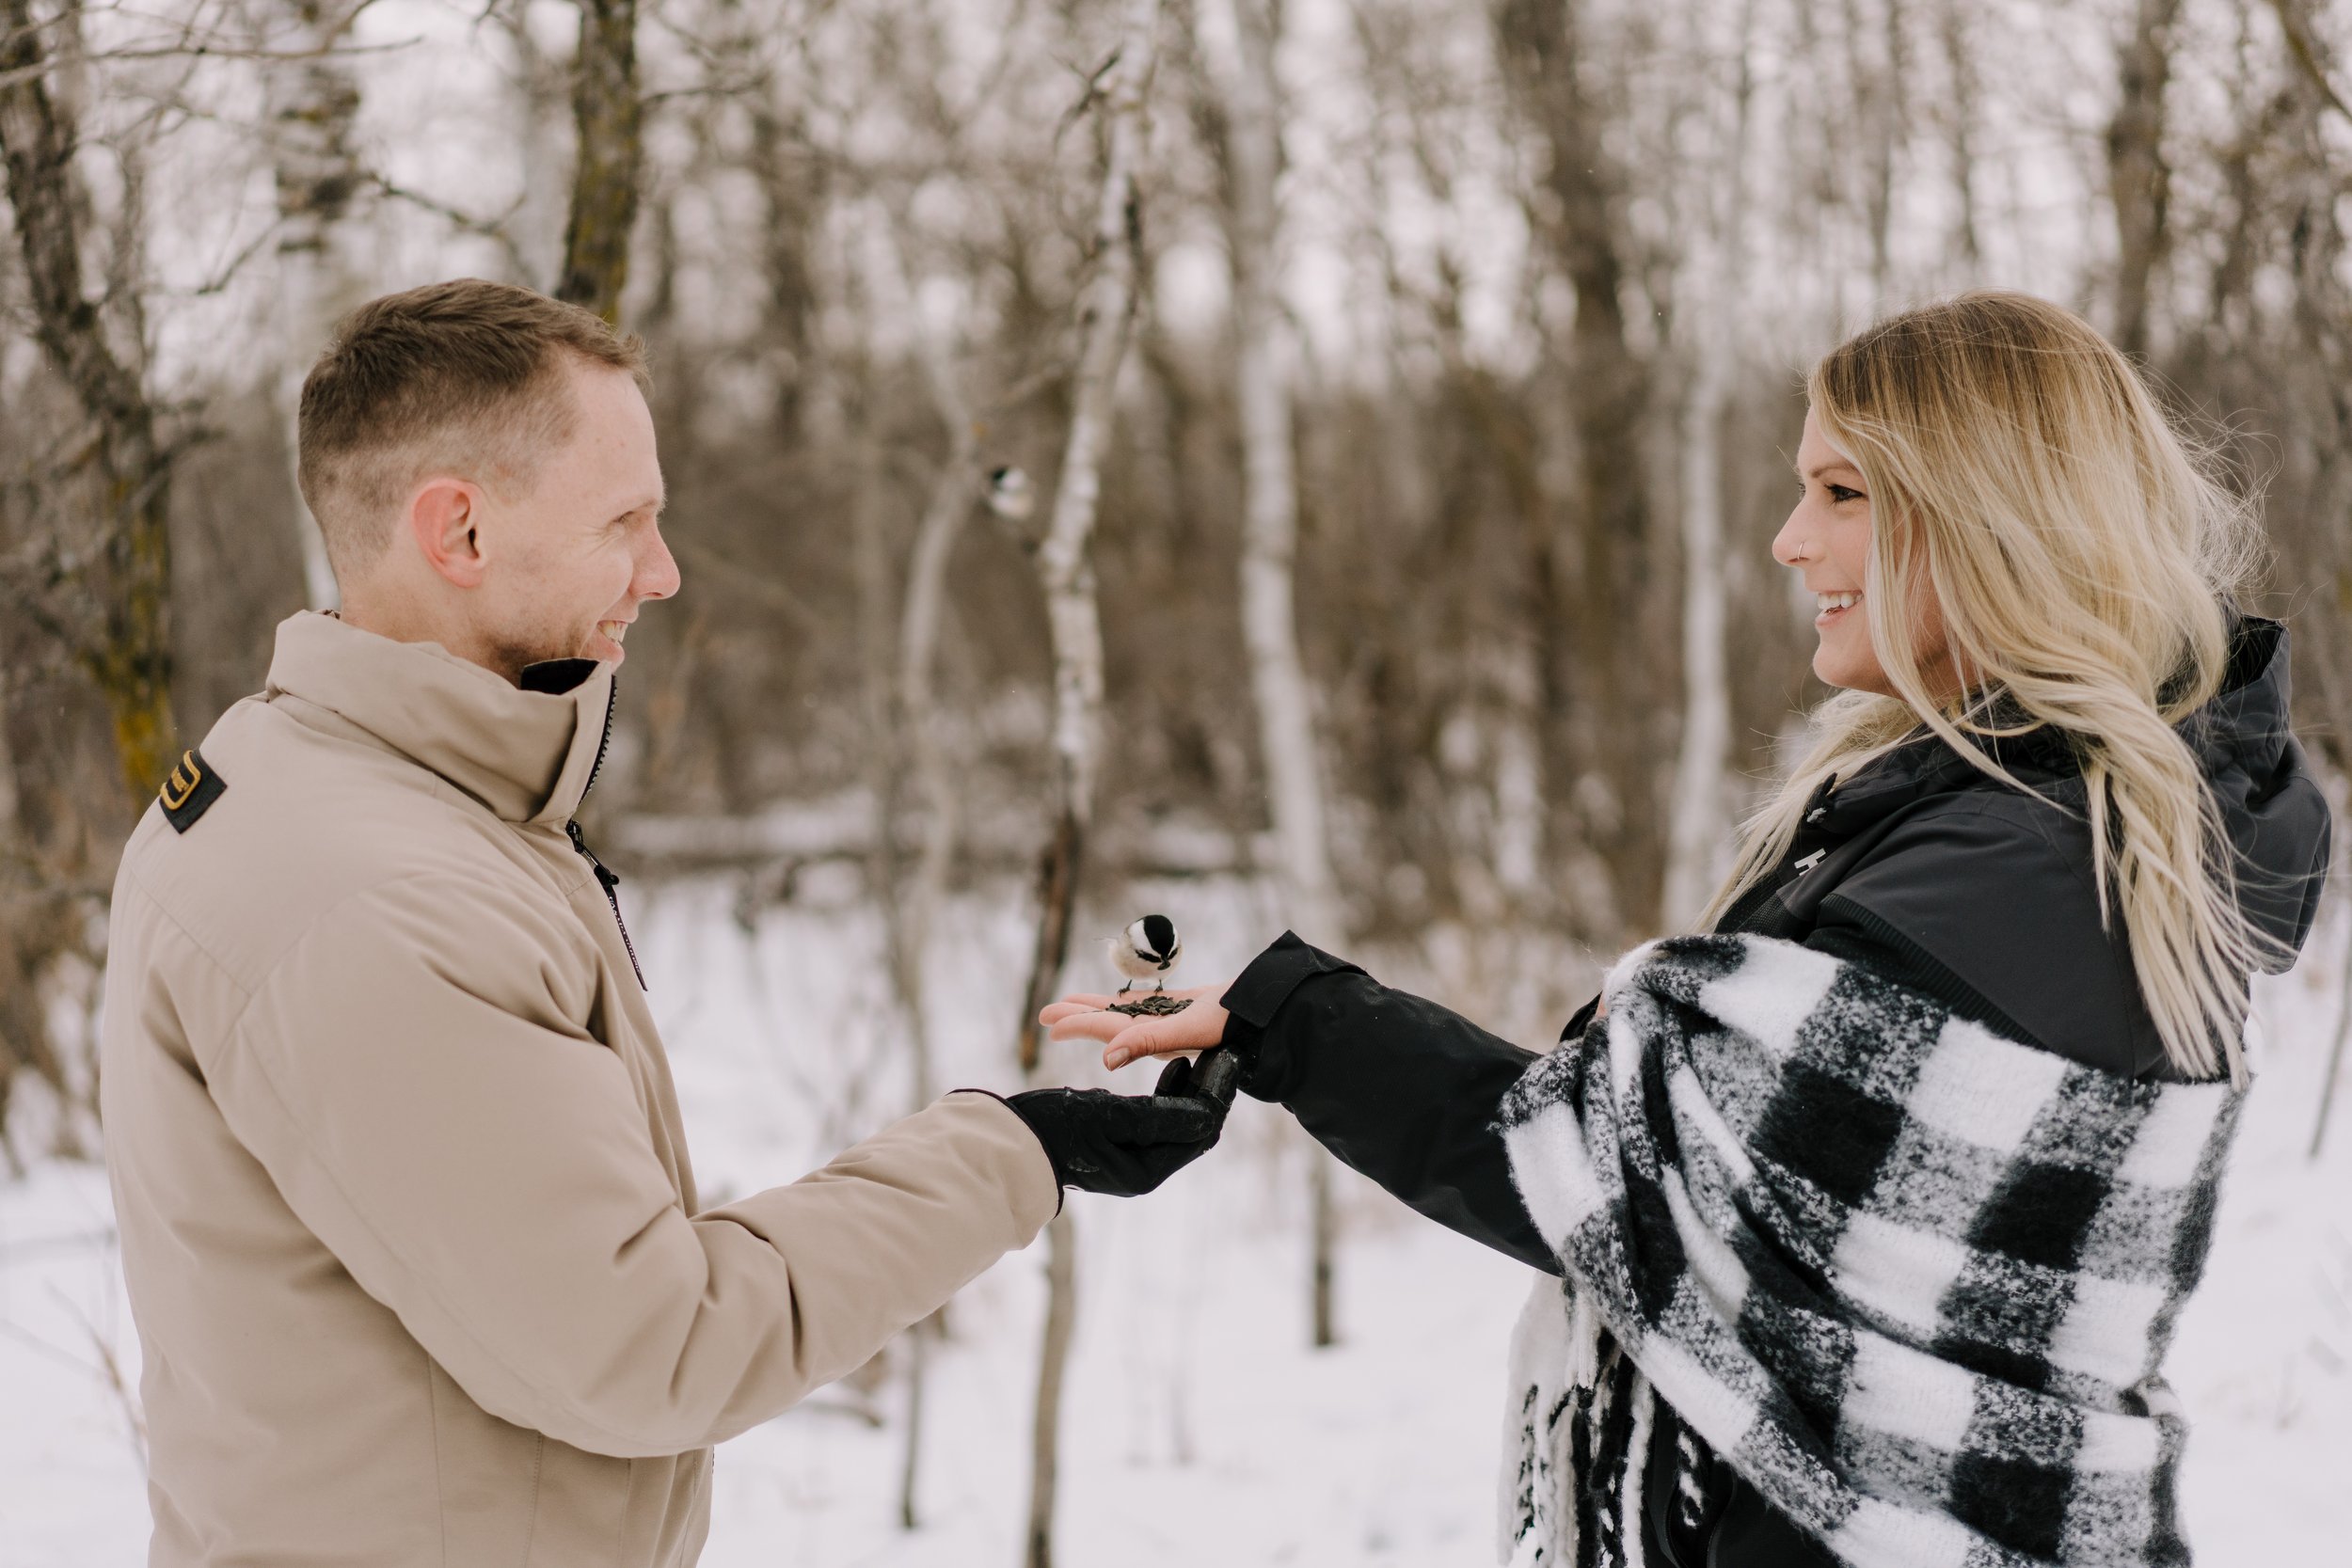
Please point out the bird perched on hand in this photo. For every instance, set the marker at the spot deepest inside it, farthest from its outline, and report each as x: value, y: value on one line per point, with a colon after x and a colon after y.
x: 1146, y: 950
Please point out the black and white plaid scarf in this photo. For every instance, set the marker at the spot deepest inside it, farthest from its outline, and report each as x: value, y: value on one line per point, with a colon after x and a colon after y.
x: 1912, y: 1280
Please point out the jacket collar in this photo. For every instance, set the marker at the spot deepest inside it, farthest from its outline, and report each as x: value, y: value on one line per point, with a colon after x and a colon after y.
x: 2244, y: 728
x: 526, y: 755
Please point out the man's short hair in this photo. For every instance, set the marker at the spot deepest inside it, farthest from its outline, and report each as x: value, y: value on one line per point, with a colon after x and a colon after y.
x: 465, y: 377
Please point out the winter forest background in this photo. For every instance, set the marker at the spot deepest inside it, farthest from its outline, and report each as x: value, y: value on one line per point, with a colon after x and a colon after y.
x: 1409, y: 388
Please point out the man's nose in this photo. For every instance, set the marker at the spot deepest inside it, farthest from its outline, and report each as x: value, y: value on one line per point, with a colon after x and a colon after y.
x: 658, y: 575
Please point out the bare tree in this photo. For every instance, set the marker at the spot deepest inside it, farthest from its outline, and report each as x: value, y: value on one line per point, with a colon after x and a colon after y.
x: 2138, y: 180
x: 1105, y: 315
x: 1879, y: 119
x: 912, y: 907
x: 917, y: 715
x: 543, y: 92
x: 1543, y: 47
x: 1953, y: 39
x: 915, y: 745
x: 312, y: 101
x: 1698, y: 831
x: 2306, y: 51
x: 104, y: 589
x: 1252, y: 121
x: 2335, y: 1063
x: 791, y: 190
x: 608, y: 116
x: 38, y: 924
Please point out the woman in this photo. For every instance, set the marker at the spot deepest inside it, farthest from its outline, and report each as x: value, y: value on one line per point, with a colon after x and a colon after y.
x: 1891, y: 1187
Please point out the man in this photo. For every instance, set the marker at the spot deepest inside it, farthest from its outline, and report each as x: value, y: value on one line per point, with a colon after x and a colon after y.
x: 407, y: 1221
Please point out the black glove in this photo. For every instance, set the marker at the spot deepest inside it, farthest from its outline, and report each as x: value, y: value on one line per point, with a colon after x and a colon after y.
x: 1123, y: 1144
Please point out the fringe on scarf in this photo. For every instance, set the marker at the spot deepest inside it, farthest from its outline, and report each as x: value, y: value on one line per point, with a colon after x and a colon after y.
x: 1580, y: 1430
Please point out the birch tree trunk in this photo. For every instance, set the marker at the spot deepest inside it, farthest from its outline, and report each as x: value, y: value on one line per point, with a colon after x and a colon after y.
x: 949, y: 505
x: 1278, y: 674
x: 1106, y: 313
x: 312, y: 102
x: 1698, y: 826
x: 110, y: 605
x: 608, y: 116
x: 543, y: 88
x: 911, y: 899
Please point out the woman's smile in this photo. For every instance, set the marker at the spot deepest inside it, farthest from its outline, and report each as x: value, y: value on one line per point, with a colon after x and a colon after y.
x: 1835, y: 608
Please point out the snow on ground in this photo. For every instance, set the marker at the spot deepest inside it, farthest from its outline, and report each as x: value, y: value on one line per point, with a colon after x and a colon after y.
x: 1200, y: 1426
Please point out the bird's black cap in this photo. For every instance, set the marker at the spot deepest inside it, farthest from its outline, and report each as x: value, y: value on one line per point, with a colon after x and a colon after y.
x: 1159, y: 934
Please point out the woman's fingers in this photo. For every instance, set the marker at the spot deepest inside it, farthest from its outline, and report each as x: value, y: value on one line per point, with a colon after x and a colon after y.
x: 1077, y: 1002
x: 1154, y: 1036
x: 1088, y: 1015
x: 1196, y: 1028
x: 1088, y: 1023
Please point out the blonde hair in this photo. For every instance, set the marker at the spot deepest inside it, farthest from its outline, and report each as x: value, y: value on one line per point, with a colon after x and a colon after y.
x: 2024, y: 482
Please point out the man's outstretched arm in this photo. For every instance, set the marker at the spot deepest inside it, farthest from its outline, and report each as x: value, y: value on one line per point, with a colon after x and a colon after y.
x: 412, y: 1078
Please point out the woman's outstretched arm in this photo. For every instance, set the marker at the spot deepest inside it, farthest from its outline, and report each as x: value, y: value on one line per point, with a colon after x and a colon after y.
x: 1400, y: 1088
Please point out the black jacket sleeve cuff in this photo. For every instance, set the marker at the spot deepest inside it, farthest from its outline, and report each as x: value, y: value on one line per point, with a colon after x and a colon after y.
x: 1257, y: 994
x: 1258, y: 991
x: 1396, y: 1086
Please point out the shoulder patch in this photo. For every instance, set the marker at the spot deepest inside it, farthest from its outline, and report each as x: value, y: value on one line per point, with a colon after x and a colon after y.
x: 191, y: 790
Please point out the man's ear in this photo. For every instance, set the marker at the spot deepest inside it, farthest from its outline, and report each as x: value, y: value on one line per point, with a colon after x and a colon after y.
x: 444, y: 519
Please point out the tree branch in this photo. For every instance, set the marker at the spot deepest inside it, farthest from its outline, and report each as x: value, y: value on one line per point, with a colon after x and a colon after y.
x: 128, y: 575
x: 2299, y: 44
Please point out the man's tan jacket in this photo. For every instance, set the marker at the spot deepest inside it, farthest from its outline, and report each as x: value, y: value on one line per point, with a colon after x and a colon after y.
x: 409, y: 1230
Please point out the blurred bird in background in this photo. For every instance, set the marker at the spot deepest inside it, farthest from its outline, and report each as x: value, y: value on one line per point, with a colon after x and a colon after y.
x: 1010, y: 494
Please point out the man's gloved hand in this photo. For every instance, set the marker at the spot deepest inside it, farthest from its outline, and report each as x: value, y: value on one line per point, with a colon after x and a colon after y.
x: 1123, y: 1144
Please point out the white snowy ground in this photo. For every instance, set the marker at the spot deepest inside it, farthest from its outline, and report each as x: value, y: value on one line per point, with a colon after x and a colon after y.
x: 1201, y: 1428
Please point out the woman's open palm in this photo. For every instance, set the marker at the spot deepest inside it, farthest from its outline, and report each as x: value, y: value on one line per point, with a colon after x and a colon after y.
x: 1088, y: 1015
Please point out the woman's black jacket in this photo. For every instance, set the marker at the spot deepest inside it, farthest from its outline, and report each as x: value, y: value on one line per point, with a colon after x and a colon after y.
x: 1922, y: 867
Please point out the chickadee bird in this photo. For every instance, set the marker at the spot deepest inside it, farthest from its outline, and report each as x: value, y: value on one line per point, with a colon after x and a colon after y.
x: 1146, y: 950
x: 1010, y: 494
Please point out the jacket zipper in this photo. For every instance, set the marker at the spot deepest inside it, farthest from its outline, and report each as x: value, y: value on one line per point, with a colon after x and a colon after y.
x: 607, y: 877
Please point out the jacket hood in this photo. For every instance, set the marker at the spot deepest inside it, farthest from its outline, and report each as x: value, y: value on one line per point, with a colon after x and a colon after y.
x: 525, y: 755
x: 2274, y: 812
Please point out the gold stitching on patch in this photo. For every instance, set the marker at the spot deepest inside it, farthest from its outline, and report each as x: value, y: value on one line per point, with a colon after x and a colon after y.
x: 187, y: 761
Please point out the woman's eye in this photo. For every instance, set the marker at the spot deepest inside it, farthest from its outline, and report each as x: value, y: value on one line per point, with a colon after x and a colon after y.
x: 1839, y: 495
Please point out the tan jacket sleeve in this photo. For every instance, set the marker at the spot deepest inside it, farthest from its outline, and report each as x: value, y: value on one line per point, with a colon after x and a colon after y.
x: 412, y: 1081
